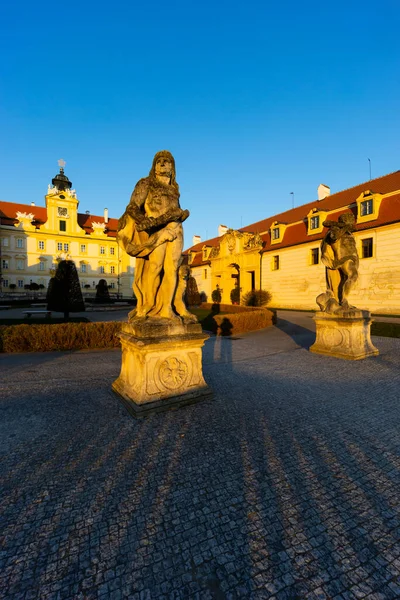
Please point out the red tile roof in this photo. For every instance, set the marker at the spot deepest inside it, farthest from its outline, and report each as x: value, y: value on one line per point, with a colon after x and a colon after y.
x: 339, y: 202
x: 8, y: 212
x: 8, y: 216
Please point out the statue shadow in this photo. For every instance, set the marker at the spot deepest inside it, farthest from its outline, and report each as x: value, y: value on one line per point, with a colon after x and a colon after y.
x: 301, y: 335
x: 219, y: 345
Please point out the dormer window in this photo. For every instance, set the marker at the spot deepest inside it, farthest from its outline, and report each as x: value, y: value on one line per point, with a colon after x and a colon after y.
x: 366, y: 207
x: 315, y: 218
x: 277, y: 232
x: 205, y: 253
x: 368, y: 204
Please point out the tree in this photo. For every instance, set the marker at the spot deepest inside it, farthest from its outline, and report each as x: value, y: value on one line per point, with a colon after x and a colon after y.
x: 102, y: 292
x: 235, y: 295
x: 64, y: 292
x: 12, y: 286
x: 216, y: 295
x: 192, y: 292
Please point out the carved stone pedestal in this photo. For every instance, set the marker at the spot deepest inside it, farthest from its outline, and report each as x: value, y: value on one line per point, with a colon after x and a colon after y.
x: 161, y: 365
x: 345, y: 334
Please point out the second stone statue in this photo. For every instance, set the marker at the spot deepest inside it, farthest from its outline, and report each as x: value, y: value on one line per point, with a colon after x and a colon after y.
x: 162, y: 341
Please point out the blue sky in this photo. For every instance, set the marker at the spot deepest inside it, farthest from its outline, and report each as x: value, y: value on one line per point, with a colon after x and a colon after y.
x: 255, y: 100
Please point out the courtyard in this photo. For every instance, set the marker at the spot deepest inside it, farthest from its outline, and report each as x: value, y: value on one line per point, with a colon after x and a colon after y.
x: 286, y: 484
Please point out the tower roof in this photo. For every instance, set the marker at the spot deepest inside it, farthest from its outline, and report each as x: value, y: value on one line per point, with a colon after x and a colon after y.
x: 61, y: 181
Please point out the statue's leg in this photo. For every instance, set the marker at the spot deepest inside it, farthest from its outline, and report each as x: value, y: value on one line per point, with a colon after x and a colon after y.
x: 172, y: 261
x: 150, y: 280
x: 350, y: 275
x: 333, y: 281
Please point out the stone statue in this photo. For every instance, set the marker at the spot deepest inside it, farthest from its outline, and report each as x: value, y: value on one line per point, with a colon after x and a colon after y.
x: 151, y: 230
x: 339, y: 255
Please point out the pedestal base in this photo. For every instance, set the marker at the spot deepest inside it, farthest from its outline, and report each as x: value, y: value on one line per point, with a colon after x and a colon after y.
x: 345, y: 335
x: 161, y: 365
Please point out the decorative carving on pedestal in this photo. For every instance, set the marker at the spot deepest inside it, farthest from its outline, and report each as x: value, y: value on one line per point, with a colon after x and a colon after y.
x: 162, y: 341
x: 342, y: 330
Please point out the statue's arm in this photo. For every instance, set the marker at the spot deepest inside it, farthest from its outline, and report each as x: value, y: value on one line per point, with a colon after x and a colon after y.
x: 136, y: 203
x: 174, y: 214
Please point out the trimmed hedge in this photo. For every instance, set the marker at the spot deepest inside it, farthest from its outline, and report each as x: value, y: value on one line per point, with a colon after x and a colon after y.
x: 63, y: 336
x: 240, y: 322
x: 236, y: 319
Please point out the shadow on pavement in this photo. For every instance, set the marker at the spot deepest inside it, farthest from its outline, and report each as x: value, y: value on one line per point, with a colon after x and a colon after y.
x: 302, y: 336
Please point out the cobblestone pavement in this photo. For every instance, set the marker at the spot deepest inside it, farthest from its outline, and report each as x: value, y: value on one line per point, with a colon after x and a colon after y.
x: 286, y: 485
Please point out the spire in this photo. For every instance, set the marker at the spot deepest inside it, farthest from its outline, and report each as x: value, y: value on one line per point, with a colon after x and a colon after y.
x: 61, y: 181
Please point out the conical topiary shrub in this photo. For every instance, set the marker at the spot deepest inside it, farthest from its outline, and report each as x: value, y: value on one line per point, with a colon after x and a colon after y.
x: 64, y: 292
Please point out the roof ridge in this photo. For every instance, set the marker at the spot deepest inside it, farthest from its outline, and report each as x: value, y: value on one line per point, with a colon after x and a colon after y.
x: 362, y: 183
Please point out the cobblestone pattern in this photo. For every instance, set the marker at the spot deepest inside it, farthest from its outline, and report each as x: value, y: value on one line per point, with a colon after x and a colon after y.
x: 285, y: 486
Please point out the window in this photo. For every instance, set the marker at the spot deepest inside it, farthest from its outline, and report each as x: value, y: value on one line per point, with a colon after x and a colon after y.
x: 59, y: 246
x: 112, y: 251
x: 102, y: 250
x: 83, y: 248
x: 112, y: 285
x: 102, y: 269
x: 42, y: 265
x: 275, y: 263
x: 314, y: 224
x: 366, y: 248
x: 314, y: 256
x: 63, y: 225
x: 5, y: 264
x: 20, y: 264
x: 83, y: 268
x: 112, y: 270
x: 20, y: 243
x: 20, y: 283
x: 275, y: 233
x: 4, y: 241
x: 41, y: 245
x: 5, y: 283
x: 62, y: 211
x: 205, y: 273
x: 66, y: 247
x: 366, y: 207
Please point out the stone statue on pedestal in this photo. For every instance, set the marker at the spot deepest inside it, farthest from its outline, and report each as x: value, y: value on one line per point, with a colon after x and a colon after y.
x: 340, y: 257
x: 151, y: 230
x: 342, y: 330
x: 162, y: 341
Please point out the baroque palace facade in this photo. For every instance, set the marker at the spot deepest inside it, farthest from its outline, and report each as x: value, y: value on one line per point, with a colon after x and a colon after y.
x: 35, y: 238
x: 281, y: 254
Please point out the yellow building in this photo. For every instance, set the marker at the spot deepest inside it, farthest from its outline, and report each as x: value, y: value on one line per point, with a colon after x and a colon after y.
x: 34, y: 238
x: 281, y: 254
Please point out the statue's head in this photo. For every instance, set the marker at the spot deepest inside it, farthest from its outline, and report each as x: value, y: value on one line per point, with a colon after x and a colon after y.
x: 164, y: 165
x: 347, y: 219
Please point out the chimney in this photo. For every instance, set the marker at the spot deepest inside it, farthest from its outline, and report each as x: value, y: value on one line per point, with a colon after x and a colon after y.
x: 323, y: 191
x: 32, y: 204
x: 222, y: 229
x: 196, y: 240
x: 106, y: 215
